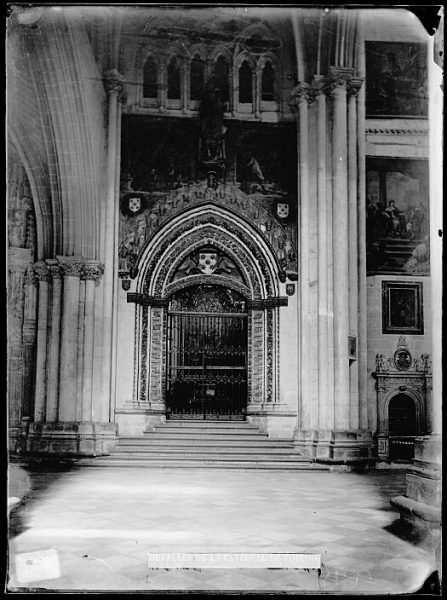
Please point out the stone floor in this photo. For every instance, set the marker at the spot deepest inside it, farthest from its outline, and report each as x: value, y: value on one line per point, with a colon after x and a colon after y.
x: 102, y: 523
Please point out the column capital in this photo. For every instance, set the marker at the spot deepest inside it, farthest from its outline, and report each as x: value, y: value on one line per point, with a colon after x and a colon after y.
x: 354, y: 86
x: 54, y: 268
x: 339, y: 77
x: 299, y: 94
x: 92, y: 270
x: 71, y: 266
x: 41, y: 271
x: 113, y: 81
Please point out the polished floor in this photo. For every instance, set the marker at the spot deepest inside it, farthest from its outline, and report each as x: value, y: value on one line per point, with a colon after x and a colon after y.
x: 100, y: 525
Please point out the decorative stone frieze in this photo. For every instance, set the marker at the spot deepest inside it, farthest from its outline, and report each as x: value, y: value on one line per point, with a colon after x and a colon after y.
x: 55, y: 269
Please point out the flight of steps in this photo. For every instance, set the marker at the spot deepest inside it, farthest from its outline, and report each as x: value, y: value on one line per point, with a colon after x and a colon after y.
x: 205, y: 444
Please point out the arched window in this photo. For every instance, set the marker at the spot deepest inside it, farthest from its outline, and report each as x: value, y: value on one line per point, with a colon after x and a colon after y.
x: 245, y: 83
x: 150, y: 86
x: 268, y: 83
x: 173, y: 80
x: 221, y: 77
x: 197, y: 76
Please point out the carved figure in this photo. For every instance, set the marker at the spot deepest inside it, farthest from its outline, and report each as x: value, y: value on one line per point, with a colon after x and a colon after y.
x: 380, y: 363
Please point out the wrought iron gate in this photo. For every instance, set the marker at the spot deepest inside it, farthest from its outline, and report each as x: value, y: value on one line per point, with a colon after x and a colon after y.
x: 207, y: 350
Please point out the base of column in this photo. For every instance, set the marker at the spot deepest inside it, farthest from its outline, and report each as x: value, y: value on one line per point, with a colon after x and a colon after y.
x: 71, y: 439
x: 134, y: 421
x: 420, y: 508
x: 274, y: 419
x: 336, y: 447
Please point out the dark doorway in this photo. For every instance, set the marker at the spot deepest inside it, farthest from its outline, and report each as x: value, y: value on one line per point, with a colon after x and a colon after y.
x: 402, y: 427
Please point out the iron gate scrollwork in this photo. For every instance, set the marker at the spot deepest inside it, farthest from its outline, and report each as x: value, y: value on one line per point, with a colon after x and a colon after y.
x: 207, y: 354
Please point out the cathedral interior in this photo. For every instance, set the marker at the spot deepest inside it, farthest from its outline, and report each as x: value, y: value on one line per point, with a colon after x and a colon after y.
x: 224, y: 257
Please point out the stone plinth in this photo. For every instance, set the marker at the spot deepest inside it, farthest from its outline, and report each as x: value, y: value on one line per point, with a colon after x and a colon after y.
x: 421, y: 506
x: 72, y: 439
x: 334, y: 446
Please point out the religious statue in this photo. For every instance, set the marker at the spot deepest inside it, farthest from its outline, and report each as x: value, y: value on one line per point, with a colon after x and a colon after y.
x: 212, y: 145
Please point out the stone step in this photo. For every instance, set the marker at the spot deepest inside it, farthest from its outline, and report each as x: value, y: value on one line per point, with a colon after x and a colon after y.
x: 211, y: 443
x: 204, y: 450
x: 179, y: 455
x: 203, y: 464
x: 222, y: 424
x: 194, y: 435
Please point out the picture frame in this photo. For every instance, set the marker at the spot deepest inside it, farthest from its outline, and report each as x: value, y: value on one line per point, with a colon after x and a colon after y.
x: 402, y: 307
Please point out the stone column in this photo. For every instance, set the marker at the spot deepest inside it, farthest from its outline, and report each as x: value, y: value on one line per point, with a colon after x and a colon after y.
x: 91, y: 273
x: 361, y: 241
x: 340, y: 233
x: 29, y: 344
x: 113, y: 85
x: 54, y: 343
x: 43, y: 276
x: 71, y: 267
x: 325, y: 386
x: 18, y: 262
x: 353, y: 88
x: 80, y: 353
x: 299, y: 103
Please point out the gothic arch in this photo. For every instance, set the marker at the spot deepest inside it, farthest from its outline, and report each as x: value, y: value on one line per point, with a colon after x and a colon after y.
x: 218, y: 225
x: 206, y: 224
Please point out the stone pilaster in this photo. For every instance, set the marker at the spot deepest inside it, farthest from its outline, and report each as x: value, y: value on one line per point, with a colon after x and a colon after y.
x: 54, y: 342
x: 71, y: 267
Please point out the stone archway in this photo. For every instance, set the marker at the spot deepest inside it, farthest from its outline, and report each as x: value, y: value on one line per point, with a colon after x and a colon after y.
x: 253, y: 274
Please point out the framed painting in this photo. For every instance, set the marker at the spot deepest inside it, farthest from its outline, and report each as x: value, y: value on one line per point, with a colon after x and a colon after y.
x: 402, y: 310
x: 396, y: 79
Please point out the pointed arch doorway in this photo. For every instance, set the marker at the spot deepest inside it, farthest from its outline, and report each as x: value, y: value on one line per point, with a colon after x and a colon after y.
x: 207, y: 346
